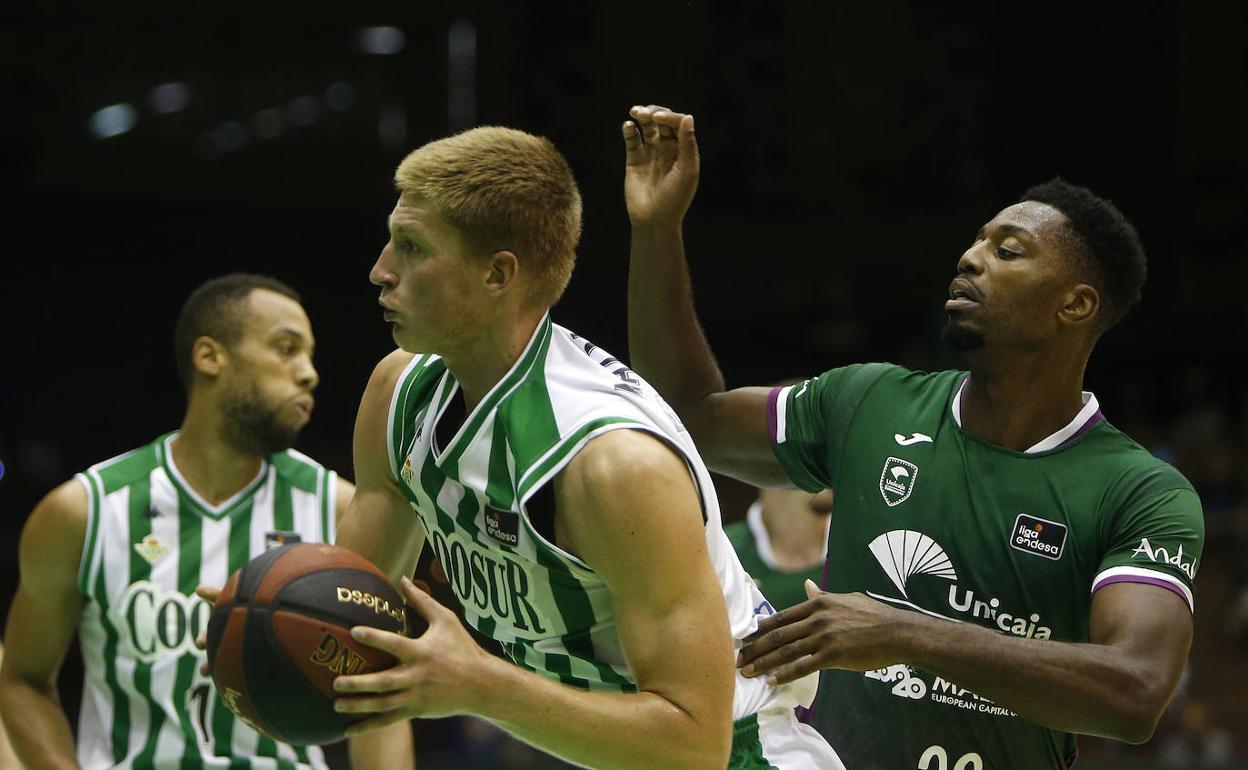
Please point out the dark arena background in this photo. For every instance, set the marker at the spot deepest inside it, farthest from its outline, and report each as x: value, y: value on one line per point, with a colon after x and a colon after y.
x: 850, y: 152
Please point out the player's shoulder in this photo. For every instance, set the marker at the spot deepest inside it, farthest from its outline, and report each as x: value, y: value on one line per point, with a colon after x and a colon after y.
x: 1134, y: 469
x: 297, y: 469
x: 624, y: 458
x: 884, y: 380
x: 53, y: 535
x: 67, y: 503
x: 399, y: 365
x: 127, y: 468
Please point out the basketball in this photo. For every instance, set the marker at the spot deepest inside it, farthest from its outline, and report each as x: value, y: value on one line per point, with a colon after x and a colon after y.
x: 280, y: 633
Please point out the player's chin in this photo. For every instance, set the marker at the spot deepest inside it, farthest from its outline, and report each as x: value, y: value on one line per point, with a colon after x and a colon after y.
x: 408, y: 342
x: 961, y: 335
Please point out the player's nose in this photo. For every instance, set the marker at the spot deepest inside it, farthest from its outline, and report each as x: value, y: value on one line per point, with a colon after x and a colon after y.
x: 307, y: 376
x: 970, y: 261
x: 380, y: 274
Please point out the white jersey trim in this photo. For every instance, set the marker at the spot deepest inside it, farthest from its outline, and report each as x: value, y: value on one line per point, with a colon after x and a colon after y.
x: 394, y: 404
x: 1090, y: 407
x: 782, y: 413
x: 572, y: 453
x: 1143, y: 575
x: 166, y: 454
x: 762, y: 539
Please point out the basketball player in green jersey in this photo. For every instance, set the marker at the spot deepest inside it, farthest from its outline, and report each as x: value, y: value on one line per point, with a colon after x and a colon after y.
x: 118, y: 551
x: 782, y: 542
x: 1005, y: 568
x: 568, y: 508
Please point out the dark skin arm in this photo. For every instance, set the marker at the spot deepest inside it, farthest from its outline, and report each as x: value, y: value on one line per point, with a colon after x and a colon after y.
x: 1116, y: 685
x: 665, y: 340
x: 41, y: 623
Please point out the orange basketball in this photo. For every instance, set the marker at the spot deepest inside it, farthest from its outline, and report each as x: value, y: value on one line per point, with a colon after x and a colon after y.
x: 280, y: 633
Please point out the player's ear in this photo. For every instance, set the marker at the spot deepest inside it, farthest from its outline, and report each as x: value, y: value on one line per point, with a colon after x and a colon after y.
x: 1080, y: 305
x: 503, y: 270
x: 208, y: 356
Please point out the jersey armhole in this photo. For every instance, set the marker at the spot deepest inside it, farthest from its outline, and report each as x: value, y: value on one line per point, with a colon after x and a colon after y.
x: 394, y: 430
x: 86, y: 562
x: 557, y: 458
x: 329, y: 507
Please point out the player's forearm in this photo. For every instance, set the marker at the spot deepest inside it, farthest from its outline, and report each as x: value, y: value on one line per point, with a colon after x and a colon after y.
x: 37, y: 726
x: 1090, y: 689
x: 387, y: 749
x: 612, y: 731
x: 665, y: 340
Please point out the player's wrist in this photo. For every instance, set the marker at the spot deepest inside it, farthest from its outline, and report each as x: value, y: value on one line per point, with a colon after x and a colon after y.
x: 909, y: 632
x: 656, y: 225
x: 485, y: 691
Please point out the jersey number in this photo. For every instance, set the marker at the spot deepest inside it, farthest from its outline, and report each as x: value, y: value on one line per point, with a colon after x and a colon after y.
x: 197, y: 700
x: 940, y: 757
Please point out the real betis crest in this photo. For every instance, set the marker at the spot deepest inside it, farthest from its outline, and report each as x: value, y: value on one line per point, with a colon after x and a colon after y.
x: 151, y: 549
x: 897, y: 480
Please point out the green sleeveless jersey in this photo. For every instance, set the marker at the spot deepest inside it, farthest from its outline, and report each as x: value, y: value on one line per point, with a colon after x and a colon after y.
x: 151, y: 540
x: 750, y: 540
x: 471, y: 482
x: 935, y: 520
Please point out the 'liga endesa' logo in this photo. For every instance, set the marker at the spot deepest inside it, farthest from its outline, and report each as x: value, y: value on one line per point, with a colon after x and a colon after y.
x: 373, y: 602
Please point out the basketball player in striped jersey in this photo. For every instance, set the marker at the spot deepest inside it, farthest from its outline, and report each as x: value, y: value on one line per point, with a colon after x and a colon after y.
x: 573, y: 517
x: 118, y: 551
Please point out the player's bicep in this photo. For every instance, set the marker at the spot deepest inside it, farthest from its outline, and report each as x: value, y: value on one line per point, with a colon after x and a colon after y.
x: 1149, y: 624
x: 629, y: 507
x: 47, y: 603
x: 733, y: 433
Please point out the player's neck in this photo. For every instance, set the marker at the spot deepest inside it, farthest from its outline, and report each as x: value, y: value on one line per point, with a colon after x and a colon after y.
x: 798, y: 538
x: 214, y: 469
x: 1016, y: 402
x: 482, y: 361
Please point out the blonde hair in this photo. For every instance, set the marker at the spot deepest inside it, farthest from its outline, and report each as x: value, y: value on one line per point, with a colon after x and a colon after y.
x: 503, y: 189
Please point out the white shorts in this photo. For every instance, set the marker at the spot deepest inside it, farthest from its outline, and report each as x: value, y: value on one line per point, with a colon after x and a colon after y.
x: 775, y: 740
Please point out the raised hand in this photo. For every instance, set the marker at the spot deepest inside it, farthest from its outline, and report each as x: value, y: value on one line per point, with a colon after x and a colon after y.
x: 661, y: 165
x: 435, y: 676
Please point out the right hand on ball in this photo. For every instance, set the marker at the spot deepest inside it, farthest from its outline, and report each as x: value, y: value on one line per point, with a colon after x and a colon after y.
x: 435, y: 676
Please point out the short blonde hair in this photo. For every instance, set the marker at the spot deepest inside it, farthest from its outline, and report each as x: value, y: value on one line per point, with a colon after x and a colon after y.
x: 503, y: 189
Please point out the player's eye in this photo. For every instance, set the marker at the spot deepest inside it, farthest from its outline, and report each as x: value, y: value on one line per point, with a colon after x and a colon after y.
x: 1004, y: 253
x: 409, y: 247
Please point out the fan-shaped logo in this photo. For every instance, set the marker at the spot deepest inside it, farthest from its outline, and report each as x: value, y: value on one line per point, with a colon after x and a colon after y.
x: 897, y: 480
x: 905, y: 552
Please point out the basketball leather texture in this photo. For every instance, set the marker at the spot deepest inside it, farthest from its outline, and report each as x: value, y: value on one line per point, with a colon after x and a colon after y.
x: 280, y: 632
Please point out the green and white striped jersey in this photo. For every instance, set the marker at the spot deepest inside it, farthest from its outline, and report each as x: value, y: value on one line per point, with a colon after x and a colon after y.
x: 150, y: 541
x: 548, y: 608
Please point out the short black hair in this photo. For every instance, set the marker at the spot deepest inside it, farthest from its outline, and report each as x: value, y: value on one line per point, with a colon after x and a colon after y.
x: 216, y: 309
x: 1109, y: 245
